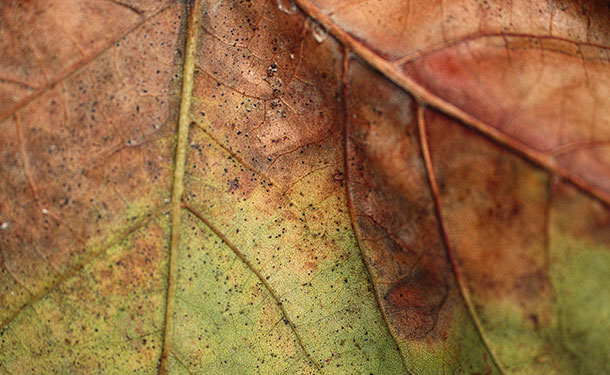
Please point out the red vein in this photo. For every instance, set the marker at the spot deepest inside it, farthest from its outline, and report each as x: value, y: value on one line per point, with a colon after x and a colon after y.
x: 466, y: 38
x: 425, y: 150
x: 578, y: 145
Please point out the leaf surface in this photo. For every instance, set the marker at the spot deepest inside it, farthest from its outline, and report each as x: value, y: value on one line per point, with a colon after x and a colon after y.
x: 318, y: 187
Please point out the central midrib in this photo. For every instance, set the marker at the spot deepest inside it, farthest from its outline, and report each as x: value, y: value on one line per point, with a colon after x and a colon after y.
x: 178, y: 177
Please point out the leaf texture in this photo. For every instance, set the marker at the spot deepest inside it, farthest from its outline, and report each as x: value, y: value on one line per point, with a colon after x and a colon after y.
x: 317, y: 187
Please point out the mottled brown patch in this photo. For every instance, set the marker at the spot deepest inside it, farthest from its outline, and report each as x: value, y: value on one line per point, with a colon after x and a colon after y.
x: 393, y: 207
x: 416, y: 301
x: 135, y: 267
x: 88, y: 157
x: 277, y: 124
x: 537, y: 92
x: 593, y: 218
x: 86, y: 145
x: 59, y: 38
x: 495, y: 206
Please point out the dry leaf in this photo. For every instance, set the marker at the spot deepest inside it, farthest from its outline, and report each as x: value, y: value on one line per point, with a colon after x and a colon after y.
x: 317, y: 187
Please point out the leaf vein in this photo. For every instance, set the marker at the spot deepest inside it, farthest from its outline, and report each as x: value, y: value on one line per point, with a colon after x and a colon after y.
x: 392, y: 72
x: 271, y: 291
x: 352, y: 210
x: 194, y: 14
x: 425, y: 150
x: 87, y: 259
x: 74, y: 68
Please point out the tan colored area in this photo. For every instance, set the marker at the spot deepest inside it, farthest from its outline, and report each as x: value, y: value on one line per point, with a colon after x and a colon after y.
x: 401, y: 30
x: 56, y: 38
x: 87, y: 158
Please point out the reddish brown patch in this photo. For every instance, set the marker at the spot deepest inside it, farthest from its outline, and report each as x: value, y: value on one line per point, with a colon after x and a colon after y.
x: 495, y: 207
x: 415, y: 302
x: 539, y: 93
x: 393, y: 207
x: 425, y: 288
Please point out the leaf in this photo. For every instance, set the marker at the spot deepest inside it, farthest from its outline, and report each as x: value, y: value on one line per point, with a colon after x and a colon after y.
x: 312, y: 187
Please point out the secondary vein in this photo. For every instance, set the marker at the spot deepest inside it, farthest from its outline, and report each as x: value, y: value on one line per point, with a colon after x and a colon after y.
x: 88, y: 258
x: 391, y: 70
x: 352, y: 210
x: 178, y: 178
x: 260, y: 277
x: 72, y: 69
x: 425, y: 150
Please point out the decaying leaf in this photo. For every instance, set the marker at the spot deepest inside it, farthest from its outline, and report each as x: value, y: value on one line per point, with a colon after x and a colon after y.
x: 308, y: 187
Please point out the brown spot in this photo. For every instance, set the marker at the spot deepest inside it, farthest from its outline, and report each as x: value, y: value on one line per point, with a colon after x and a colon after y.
x: 494, y: 206
x: 233, y: 185
x: 417, y: 300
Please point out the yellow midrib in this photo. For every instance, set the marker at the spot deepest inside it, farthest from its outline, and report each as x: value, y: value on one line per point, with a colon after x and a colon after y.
x: 178, y: 177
